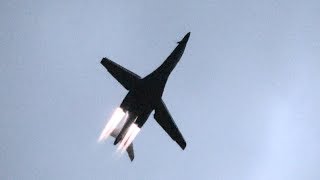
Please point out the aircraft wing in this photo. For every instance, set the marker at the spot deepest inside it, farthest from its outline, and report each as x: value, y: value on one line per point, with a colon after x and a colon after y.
x: 125, y: 77
x: 163, y: 117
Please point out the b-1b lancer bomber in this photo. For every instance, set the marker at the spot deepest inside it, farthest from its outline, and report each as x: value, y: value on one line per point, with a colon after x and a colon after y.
x: 143, y: 97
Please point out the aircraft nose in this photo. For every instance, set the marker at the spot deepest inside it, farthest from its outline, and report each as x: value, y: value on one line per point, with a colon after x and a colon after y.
x: 187, y: 35
x: 185, y: 38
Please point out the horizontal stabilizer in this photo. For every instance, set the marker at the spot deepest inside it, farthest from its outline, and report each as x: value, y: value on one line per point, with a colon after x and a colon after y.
x: 130, y: 152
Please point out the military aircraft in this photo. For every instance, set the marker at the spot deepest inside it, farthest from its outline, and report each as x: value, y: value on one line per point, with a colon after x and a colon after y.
x: 143, y: 97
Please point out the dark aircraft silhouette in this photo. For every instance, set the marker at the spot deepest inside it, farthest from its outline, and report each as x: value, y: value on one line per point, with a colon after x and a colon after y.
x: 145, y: 94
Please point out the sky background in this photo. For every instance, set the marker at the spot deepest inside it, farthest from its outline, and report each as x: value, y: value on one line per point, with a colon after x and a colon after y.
x: 245, y: 95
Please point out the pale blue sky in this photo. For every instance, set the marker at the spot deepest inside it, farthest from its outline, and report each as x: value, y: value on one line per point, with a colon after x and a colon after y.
x: 245, y: 94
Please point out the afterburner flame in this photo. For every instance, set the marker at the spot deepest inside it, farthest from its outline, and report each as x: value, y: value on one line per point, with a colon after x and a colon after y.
x: 129, y: 137
x: 112, y: 124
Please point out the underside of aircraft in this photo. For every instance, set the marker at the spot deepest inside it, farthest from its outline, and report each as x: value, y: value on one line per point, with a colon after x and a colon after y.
x: 144, y: 96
